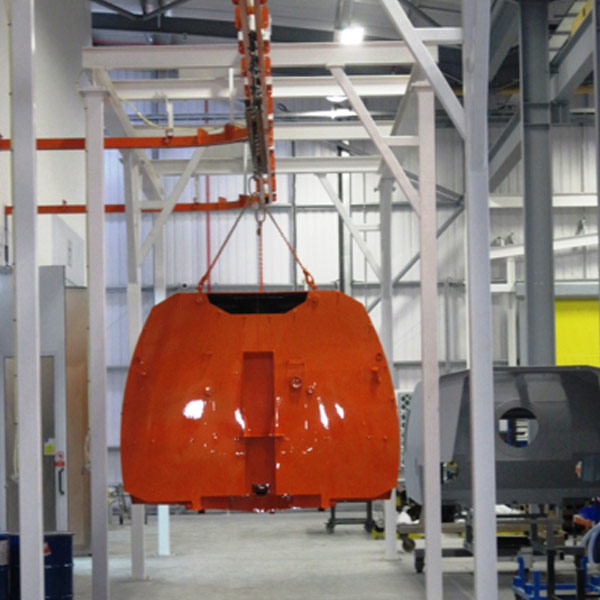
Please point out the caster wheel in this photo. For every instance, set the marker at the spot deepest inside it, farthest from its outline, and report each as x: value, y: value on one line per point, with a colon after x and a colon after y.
x: 408, y: 545
x: 419, y: 565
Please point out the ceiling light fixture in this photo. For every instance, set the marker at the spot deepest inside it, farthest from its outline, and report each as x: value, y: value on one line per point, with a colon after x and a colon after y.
x: 352, y: 36
x: 336, y: 98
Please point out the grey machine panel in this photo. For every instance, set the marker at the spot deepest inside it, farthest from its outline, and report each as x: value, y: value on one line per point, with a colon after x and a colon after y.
x: 547, y: 434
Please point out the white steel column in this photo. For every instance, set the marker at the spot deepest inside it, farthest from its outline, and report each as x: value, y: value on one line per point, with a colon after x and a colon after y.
x: 134, y: 312
x: 27, y: 300
x: 94, y: 101
x: 429, y: 349
x: 160, y: 294
x: 476, y: 28
x: 596, y: 49
x: 386, y: 334
x: 511, y: 313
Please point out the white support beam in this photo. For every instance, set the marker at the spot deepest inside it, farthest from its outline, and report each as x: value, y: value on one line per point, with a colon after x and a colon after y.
x: 345, y: 215
x: 160, y: 294
x: 384, y: 149
x: 579, y: 200
x: 476, y: 26
x: 134, y: 312
x: 118, y: 124
x: 428, y: 65
x: 559, y: 245
x: 386, y: 335
x: 97, y: 377
x: 294, y: 166
x: 429, y: 350
x: 27, y: 299
x: 283, y: 87
x: 226, y: 56
x: 131, y: 175
x: 170, y: 202
x: 322, y: 130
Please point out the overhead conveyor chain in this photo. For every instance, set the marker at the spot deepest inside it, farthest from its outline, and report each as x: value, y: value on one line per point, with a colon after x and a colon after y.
x: 253, y: 22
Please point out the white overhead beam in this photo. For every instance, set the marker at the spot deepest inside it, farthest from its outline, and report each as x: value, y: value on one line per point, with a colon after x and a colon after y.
x: 310, y: 130
x: 384, y: 149
x: 170, y: 203
x: 345, y: 215
x: 283, y: 87
x: 583, y: 200
x: 295, y: 166
x: 226, y: 56
x: 427, y: 63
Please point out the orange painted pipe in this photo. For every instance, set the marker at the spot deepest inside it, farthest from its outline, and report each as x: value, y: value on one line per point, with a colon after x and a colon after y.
x: 229, y: 135
x: 259, y: 402
x: 81, y: 209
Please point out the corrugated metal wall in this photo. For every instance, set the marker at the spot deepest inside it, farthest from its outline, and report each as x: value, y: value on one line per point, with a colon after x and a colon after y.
x: 318, y: 246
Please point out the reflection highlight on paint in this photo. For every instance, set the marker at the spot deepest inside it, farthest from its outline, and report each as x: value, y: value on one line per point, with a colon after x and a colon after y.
x: 240, y: 419
x: 323, y: 415
x: 339, y: 410
x: 194, y: 409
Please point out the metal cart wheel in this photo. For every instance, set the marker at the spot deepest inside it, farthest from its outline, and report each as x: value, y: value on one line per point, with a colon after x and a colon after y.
x: 419, y: 564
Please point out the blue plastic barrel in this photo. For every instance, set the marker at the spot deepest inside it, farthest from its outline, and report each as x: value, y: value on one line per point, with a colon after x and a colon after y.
x: 58, y: 566
x: 4, y: 566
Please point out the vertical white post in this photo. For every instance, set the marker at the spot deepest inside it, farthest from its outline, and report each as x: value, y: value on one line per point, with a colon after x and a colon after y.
x: 511, y: 313
x: 94, y: 101
x: 160, y: 294
x: 134, y: 311
x: 27, y: 300
x: 476, y: 31
x: 429, y: 349
x: 386, y: 187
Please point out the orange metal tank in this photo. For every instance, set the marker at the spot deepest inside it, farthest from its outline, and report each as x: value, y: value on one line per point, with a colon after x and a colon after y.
x: 259, y: 402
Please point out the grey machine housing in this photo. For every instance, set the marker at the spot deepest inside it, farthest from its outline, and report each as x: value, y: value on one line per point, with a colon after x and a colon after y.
x: 561, y: 463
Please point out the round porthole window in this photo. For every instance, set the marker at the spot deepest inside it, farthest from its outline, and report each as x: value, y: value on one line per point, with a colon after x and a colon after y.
x: 518, y: 427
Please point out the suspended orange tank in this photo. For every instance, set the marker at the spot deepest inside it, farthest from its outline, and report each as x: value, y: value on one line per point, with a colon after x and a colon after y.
x: 259, y: 402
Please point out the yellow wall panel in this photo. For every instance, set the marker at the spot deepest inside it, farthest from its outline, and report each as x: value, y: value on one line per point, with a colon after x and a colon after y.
x: 577, y: 332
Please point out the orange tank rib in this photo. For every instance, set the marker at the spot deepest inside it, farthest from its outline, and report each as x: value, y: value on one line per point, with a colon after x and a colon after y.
x: 259, y: 402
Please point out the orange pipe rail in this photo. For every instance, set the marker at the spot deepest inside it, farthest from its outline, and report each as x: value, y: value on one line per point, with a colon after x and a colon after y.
x: 80, y: 209
x: 229, y: 135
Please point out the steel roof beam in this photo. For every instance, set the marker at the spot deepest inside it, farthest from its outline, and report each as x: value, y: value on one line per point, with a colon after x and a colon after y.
x: 504, y: 33
x: 572, y: 65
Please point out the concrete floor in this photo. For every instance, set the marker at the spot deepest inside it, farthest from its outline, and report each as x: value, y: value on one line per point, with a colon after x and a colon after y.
x: 262, y: 556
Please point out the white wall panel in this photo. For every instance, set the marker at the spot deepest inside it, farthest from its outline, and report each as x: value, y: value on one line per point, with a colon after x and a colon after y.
x: 318, y: 245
